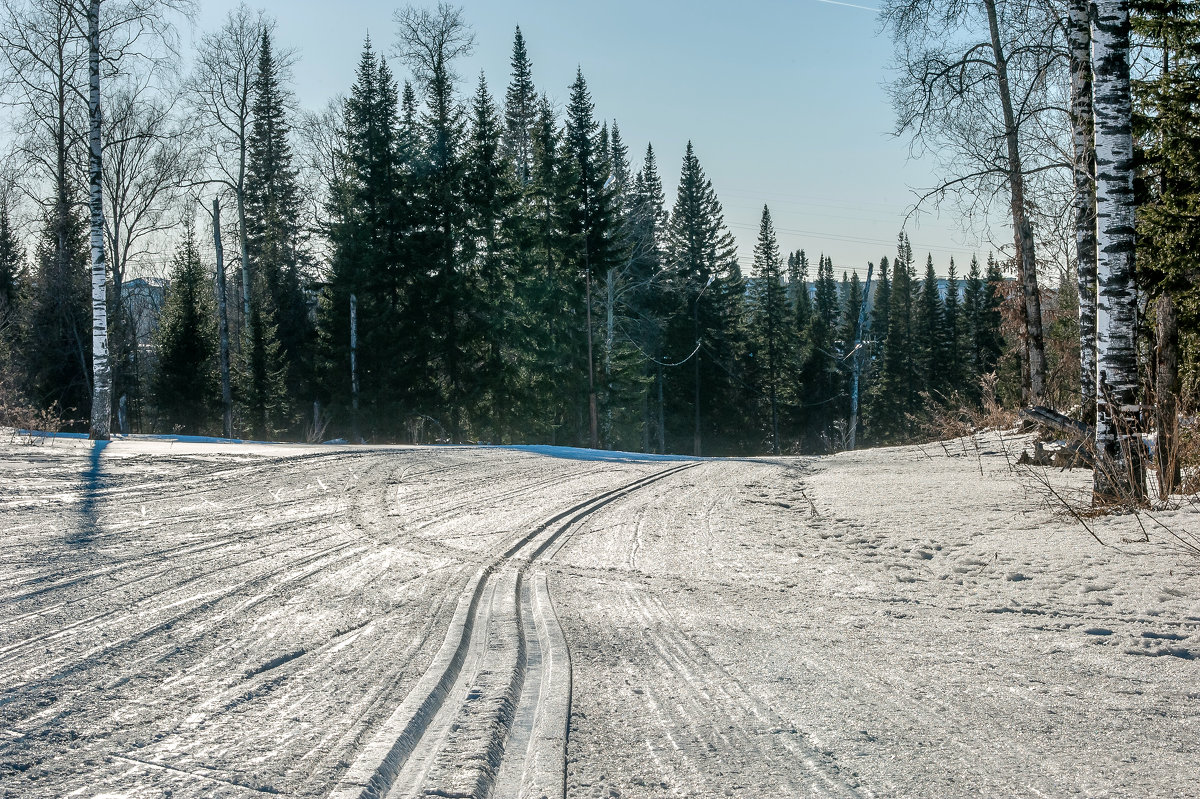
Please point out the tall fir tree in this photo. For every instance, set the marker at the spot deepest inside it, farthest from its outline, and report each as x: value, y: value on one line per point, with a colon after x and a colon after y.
x: 366, y: 263
x: 705, y: 403
x: 972, y: 317
x: 645, y: 292
x: 446, y: 292
x: 989, y: 340
x: 927, y: 334
x: 798, y: 293
x: 261, y: 400
x: 591, y: 226
x: 770, y: 329
x: 12, y: 267
x: 894, y: 393
x: 520, y: 113
x: 273, y: 218
x: 490, y: 195
x: 185, y: 385
x: 952, y: 334
x: 55, y: 337
x: 816, y: 389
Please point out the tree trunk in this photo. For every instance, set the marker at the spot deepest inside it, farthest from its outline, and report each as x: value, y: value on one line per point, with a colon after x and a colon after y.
x: 662, y: 416
x: 593, y: 426
x: 696, y: 379
x: 857, y: 355
x: 1025, y: 254
x: 1166, y: 398
x: 1084, y: 203
x: 101, y: 367
x: 609, y: 342
x: 222, y: 325
x: 1120, y: 470
x: 354, y: 432
x: 240, y: 196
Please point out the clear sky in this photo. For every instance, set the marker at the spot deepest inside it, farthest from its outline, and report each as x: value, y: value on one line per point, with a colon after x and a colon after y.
x: 783, y: 100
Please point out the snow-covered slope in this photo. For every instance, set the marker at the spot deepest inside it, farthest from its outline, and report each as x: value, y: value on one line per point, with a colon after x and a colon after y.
x: 191, y: 618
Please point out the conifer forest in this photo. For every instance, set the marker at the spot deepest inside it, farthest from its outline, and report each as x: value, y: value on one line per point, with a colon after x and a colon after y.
x: 642, y: 400
x: 433, y: 259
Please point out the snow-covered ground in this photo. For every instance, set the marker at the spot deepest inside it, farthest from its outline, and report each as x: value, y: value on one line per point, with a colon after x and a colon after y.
x: 187, y: 618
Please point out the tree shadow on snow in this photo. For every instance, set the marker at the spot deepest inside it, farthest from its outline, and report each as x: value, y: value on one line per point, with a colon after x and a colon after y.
x: 89, y: 522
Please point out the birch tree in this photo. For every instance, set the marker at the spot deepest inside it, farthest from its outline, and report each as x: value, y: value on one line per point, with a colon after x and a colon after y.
x: 221, y: 91
x: 1079, y: 41
x: 101, y: 368
x: 129, y: 24
x: 46, y: 44
x: 1119, y: 472
x: 975, y: 89
x: 147, y: 162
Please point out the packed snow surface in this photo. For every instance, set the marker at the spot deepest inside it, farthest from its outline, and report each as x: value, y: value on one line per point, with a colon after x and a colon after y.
x: 195, y: 618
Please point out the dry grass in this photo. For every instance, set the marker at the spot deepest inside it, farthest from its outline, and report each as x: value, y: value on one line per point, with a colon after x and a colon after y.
x: 957, y: 417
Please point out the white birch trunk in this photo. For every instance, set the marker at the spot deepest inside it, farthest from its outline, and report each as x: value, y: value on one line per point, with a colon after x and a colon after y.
x: 101, y: 367
x: 1120, y: 471
x: 1079, y: 40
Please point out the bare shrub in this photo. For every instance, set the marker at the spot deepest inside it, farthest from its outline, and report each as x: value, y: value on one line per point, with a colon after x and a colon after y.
x: 957, y: 416
x: 1151, y: 515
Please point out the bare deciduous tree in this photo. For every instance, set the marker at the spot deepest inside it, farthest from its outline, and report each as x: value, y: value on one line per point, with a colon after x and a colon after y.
x: 978, y: 89
x: 221, y: 93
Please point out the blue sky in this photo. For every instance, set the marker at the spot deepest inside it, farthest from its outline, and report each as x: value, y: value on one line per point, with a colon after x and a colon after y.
x: 783, y: 100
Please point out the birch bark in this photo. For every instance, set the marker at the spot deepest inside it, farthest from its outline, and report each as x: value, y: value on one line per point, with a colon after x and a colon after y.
x: 1120, y: 470
x: 1079, y: 41
x: 101, y: 367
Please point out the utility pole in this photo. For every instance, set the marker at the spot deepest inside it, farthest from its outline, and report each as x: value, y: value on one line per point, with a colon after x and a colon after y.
x: 696, y: 368
x: 856, y: 353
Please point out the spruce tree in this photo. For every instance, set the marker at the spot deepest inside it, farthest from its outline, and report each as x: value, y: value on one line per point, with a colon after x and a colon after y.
x: 871, y: 402
x: 769, y: 325
x: 446, y: 293
x: 261, y: 399
x: 952, y: 334
x: 619, y: 158
x: 12, y: 273
x: 819, y: 386
x: 57, y: 321
x: 928, y: 337
x: 273, y: 226
x: 989, y: 341
x: 367, y: 222
x: 591, y: 227
x: 520, y: 113
x: 706, y: 404
x: 490, y: 197
x: 972, y: 316
x: 850, y: 311
x: 826, y: 294
x: 798, y: 293
x: 647, y: 293
x: 548, y: 293
x: 185, y: 385
x: 894, y: 394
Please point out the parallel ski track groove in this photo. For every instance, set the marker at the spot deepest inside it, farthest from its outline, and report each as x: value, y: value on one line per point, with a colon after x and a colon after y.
x: 372, y: 776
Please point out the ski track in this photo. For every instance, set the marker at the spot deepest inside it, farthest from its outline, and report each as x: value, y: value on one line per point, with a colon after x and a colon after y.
x: 235, y: 621
x: 730, y: 638
x: 238, y: 628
